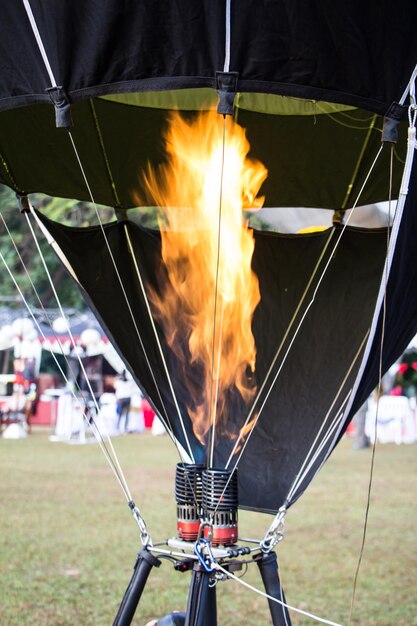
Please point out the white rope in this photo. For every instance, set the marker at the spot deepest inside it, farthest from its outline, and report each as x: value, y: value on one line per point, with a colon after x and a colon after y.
x: 165, y: 422
x: 51, y: 241
x: 115, y: 458
x: 41, y: 256
x: 265, y: 595
x: 90, y: 422
x: 410, y: 89
x: 44, y: 311
x: 39, y: 41
x: 278, y: 352
x: 298, y: 328
x: 158, y: 343
x: 227, y: 42
x: 310, y: 304
x: 381, y: 347
x: 274, y: 534
x: 35, y: 321
x: 411, y: 145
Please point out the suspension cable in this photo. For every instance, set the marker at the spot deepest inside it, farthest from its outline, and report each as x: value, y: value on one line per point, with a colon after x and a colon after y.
x: 144, y: 534
x: 90, y: 420
x: 48, y: 68
x: 308, y: 307
x: 213, y: 408
x: 126, y: 489
x: 184, y: 457
x: 59, y: 305
x: 255, y: 421
x: 227, y: 43
x: 379, y: 392
x: 403, y: 192
x: 44, y: 311
x: 39, y: 41
x: 119, y: 278
x: 155, y: 332
x: 218, y: 567
x: 45, y: 59
x: 278, y: 352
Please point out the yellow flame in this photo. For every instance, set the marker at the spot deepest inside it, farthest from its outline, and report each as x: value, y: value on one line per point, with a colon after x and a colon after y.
x: 207, y: 171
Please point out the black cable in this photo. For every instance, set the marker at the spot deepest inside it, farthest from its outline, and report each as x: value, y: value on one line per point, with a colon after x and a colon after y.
x: 379, y: 390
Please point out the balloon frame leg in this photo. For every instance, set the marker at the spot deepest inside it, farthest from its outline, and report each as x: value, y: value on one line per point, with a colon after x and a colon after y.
x: 145, y: 561
x: 201, y: 604
x: 268, y: 567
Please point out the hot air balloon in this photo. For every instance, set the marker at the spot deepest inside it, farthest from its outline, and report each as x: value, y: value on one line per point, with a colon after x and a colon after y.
x: 210, y: 111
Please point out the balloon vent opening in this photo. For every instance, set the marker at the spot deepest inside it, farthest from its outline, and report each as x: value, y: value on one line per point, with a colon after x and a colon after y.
x: 220, y: 504
x: 188, y: 495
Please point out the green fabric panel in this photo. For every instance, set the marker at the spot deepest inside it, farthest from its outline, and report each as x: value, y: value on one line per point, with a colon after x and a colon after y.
x: 174, y: 99
x: 272, y: 104
x: 205, y: 99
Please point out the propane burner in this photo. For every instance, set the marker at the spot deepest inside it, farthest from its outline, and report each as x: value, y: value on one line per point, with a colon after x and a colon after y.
x: 219, y: 504
x: 210, y: 495
x: 188, y: 495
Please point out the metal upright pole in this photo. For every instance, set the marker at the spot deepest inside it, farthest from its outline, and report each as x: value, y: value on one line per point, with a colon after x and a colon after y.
x: 144, y: 563
x: 201, y: 605
x: 268, y: 566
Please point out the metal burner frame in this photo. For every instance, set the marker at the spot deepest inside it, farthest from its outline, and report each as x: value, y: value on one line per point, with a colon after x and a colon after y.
x: 202, y: 598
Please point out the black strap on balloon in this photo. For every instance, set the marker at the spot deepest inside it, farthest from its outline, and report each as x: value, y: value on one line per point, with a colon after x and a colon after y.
x: 395, y: 114
x: 226, y: 86
x: 62, y: 106
x: 56, y: 93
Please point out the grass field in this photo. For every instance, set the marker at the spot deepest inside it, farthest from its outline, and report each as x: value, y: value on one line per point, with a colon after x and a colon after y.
x: 68, y: 541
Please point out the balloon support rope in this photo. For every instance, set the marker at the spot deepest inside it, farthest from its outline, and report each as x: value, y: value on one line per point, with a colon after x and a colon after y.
x: 145, y: 537
x: 275, y: 533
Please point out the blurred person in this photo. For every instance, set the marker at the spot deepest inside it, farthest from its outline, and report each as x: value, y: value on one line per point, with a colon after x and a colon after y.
x: 124, y: 387
x: 30, y: 404
x: 362, y: 439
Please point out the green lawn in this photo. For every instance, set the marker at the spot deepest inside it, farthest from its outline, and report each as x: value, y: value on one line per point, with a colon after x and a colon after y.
x: 68, y: 541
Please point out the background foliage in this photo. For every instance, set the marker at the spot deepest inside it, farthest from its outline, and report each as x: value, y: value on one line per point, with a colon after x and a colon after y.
x: 70, y: 212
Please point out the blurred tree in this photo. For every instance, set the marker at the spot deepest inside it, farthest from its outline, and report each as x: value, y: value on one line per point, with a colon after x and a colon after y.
x: 70, y: 212
x: 67, y: 211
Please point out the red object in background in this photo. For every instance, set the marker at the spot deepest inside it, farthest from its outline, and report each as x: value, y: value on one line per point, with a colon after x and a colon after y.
x: 19, y: 379
x: 45, y: 414
x: 148, y: 414
x: 351, y: 429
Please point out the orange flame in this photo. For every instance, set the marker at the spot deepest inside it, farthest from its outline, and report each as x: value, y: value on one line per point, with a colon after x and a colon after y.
x: 208, y: 173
